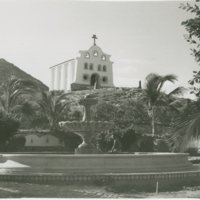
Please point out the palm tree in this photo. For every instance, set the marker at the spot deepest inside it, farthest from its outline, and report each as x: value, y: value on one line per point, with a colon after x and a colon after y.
x: 53, y: 106
x: 154, y: 97
x: 13, y: 95
x: 14, y: 92
x: 186, y: 128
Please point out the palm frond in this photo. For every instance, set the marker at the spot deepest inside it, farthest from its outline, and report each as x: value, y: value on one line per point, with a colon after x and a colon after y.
x: 14, y: 89
x: 186, y: 130
x: 177, y: 91
x: 53, y: 105
x: 170, y: 77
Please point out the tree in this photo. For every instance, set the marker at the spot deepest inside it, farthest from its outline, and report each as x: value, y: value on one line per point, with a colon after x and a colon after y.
x: 104, y: 111
x: 8, y: 127
x: 53, y: 106
x: 187, y: 126
x: 29, y: 113
x: 15, y: 92
x: 153, y: 96
x: 192, y: 26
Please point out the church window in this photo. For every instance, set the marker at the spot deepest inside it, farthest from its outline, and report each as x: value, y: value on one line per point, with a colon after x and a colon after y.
x: 31, y: 141
x: 86, y: 65
x: 103, y: 57
x: 91, y: 66
x: 104, y: 79
x: 104, y: 68
x: 85, y: 77
x: 95, y: 53
x: 99, y: 67
x: 87, y: 55
x: 47, y: 140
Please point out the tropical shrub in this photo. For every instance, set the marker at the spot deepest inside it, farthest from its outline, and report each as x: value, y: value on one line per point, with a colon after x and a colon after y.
x: 146, y: 144
x: 130, y: 140
x: 14, y: 93
x: 71, y: 140
x: 16, y: 143
x: 8, y: 127
x: 53, y: 107
x: 162, y: 145
x: 187, y: 126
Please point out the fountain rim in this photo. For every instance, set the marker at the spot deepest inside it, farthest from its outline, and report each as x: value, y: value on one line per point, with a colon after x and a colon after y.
x: 88, y: 122
x: 136, y: 154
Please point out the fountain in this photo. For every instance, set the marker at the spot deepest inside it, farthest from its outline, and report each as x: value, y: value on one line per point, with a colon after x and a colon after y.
x: 87, y: 129
x: 136, y: 169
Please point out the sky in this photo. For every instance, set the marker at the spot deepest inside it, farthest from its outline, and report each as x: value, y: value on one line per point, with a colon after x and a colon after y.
x: 141, y: 37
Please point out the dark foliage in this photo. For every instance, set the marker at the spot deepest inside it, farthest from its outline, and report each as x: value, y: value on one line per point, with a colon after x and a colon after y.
x: 130, y: 141
x: 146, y: 144
x: 192, y: 27
x: 53, y: 106
x: 186, y: 126
x: 155, y: 99
x: 161, y: 145
x: 193, y: 151
x: 8, y: 127
x: 71, y: 140
x: 16, y: 143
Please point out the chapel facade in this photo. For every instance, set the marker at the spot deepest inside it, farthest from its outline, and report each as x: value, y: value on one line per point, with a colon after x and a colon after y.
x: 92, y: 69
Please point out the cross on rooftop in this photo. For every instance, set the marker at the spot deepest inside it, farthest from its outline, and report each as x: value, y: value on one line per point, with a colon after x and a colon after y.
x: 94, y: 37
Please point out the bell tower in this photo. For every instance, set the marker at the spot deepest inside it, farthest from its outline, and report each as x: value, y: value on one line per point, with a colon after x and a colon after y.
x: 92, y: 69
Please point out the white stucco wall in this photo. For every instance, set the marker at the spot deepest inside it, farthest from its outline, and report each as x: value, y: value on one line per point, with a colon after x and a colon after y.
x: 95, y: 60
x: 63, y: 75
x: 73, y: 71
x: 34, y: 140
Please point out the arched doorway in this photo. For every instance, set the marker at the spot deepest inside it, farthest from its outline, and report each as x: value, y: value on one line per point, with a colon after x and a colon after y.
x: 95, y: 81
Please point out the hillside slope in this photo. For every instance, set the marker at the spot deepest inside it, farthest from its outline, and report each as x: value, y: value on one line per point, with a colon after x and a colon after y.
x: 8, y: 69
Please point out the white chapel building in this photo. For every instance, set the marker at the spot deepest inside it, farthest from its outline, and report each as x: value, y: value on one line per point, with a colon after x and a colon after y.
x: 92, y: 69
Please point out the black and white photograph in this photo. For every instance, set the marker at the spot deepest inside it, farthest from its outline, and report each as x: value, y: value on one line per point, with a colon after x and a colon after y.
x: 99, y: 99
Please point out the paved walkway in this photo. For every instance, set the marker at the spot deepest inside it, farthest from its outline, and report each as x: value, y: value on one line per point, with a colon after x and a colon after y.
x: 28, y: 190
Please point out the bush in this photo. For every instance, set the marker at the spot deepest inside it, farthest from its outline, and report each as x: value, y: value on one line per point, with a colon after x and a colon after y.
x: 146, y: 144
x: 8, y: 128
x: 71, y: 140
x: 130, y: 141
x: 193, y: 151
x: 161, y: 145
x: 16, y: 143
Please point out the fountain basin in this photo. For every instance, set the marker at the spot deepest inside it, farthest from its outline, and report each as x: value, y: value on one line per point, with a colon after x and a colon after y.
x: 2, y: 159
x: 102, y: 163
x: 86, y: 130
x: 142, y: 171
x: 87, y: 126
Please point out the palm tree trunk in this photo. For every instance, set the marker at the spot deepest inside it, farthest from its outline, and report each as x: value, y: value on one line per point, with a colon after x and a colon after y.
x: 7, y: 103
x: 153, y: 123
